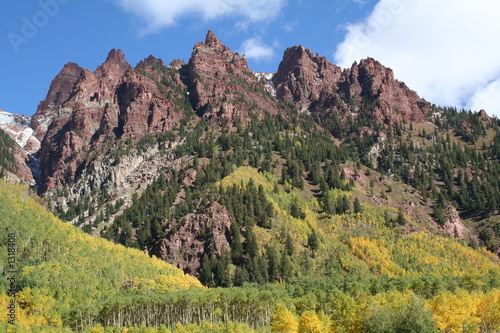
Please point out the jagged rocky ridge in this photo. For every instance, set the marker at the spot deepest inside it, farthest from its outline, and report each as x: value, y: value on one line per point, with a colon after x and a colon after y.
x: 314, y: 84
x: 83, y: 109
x: 87, y: 116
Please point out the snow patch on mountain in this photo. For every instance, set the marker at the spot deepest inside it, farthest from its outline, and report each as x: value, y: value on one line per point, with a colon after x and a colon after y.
x: 268, y: 82
x: 18, y: 128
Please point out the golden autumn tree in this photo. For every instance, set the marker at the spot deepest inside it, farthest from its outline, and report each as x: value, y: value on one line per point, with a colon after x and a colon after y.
x: 488, y: 311
x: 310, y: 322
x: 456, y: 312
x: 283, y: 320
x: 345, y: 313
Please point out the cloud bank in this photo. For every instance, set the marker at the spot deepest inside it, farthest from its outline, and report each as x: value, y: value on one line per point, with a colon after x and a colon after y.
x: 162, y: 13
x: 254, y: 48
x: 446, y: 50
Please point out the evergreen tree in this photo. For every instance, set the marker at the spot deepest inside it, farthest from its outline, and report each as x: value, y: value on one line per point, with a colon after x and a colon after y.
x: 295, y: 210
x: 236, y: 245
x: 328, y: 204
x: 273, y: 263
x: 289, y: 246
x: 313, y: 241
x: 401, y: 220
x: 358, y: 209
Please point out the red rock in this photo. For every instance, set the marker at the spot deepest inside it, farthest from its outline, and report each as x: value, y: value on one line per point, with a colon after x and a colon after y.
x: 84, y: 108
x: 302, y: 77
x: 483, y: 116
x: 114, y: 101
x: 391, y: 100
x: 148, y: 62
x: 59, y: 92
x: 312, y: 83
x: 221, y: 85
x: 112, y: 70
x: 185, y: 247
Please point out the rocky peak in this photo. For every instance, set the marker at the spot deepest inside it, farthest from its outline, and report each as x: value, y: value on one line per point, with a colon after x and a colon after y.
x: 113, y: 101
x: 148, y: 62
x: 368, y: 89
x: 212, y: 41
x: 221, y: 85
x: 114, y: 67
x: 303, y: 76
x: 59, y: 92
x: 483, y: 115
x: 116, y: 57
x: 177, y: 64
x: 17, y: 127
x: 371, y: 88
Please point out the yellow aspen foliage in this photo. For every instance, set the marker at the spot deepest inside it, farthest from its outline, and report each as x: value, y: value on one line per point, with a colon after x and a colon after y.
x: 488, y: 311
x: 310, y: 322
x: 345, y: 313
x: 283, y: 320
x: 97, y: 329
x: 376, y: 255
x: 456, y: 312
x: 37, y: 307
x: 245, y: 174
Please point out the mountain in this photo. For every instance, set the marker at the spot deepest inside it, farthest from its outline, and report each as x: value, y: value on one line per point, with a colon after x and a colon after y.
x: 18, y: 128
x: 115, y: 101
x: 222, y: 87
x: 305, y: 193
x: 312, y: 83
x: 16, y: 154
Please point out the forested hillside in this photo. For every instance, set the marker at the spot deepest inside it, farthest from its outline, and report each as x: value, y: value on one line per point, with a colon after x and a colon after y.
x: 202, y: 197
x: 62, y: 275
x: 7, y: 146
x: 356, y: 274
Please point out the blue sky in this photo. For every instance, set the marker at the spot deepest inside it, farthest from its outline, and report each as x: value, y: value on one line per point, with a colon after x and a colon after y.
x: 39, y: 37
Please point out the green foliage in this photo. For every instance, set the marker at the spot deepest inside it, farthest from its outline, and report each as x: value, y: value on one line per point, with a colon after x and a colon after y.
x: 358, y: 209
x: 398, y: 316
x: 79, y: 271
x: 313, y: 241
x: 149, y: 214
x: 7, y: 148
x: 294, y: 234
x: 295, y: 209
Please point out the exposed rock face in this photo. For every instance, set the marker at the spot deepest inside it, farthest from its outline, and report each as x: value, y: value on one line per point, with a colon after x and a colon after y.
x: 367, y: 88
x: 392, y: 100
x: 59, y: 92
x: 304, y: 78
x: 112, y: 70
x: 221, y: 85
x: 185, y: 247
x: 484, y: 116
x: 85, y: 108
x: 149, y: 62
x: 453, y: 225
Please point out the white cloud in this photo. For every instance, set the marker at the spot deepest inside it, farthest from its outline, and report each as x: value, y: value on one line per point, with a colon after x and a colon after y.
x: 254, y: 48
x: 162, y: 13
x: 487, y: 97
x: 446, y: 50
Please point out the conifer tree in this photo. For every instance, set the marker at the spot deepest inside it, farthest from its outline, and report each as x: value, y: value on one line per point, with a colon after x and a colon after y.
x: 313, y: 241
x: 358, y: 209
x: 289, y: 246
